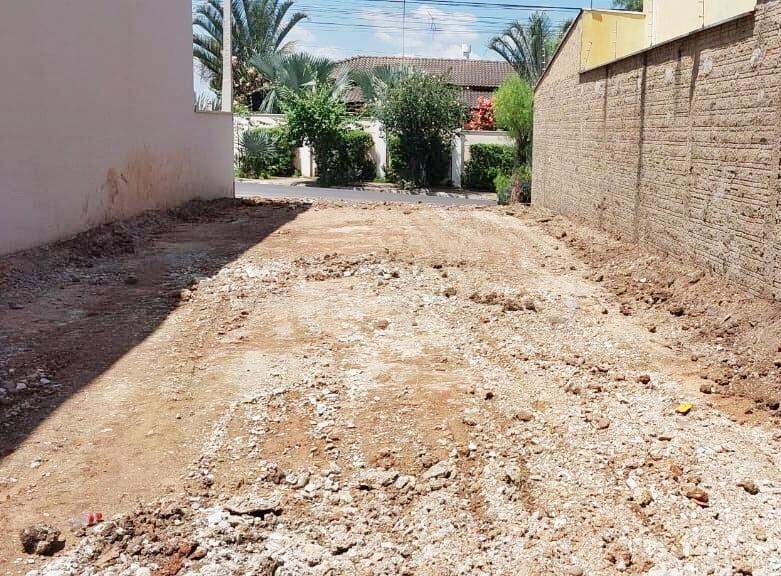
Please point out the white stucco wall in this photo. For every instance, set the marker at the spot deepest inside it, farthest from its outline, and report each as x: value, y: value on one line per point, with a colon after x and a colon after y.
x: 304, y: 159
x: 96, y: 117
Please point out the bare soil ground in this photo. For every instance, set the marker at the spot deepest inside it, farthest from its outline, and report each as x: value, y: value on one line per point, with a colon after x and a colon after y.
x: 289, y: 389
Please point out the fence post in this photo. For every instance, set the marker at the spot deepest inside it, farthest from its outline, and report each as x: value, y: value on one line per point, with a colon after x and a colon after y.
x: 227, y: 57
x: 456, y: 159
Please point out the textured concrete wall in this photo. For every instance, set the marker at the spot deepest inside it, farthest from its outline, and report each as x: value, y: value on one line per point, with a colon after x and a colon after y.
x: 96, y: 117
x: 677, y: 147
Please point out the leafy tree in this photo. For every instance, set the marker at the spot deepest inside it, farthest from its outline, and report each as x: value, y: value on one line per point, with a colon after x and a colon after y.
x: 514, y: 109
x: 288, y: 73
x: 421, y: 114
x: 528, y: 47
x: 635, y: 5
x: 260, y: 27
x: 319, y: 120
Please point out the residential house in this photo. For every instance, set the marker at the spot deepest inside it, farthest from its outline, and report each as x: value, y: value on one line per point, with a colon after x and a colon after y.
x: 473, y: 78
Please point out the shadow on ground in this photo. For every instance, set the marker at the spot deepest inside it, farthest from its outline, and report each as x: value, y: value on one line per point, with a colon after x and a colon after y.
x: 69, y: 311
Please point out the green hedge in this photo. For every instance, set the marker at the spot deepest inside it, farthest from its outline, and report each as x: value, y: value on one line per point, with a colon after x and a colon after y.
x: 265, y: 152
x: 357, y: 149
x: 348, y: 161
x: 486, y: 163
x: 437, y: 166
x: 514, y: 187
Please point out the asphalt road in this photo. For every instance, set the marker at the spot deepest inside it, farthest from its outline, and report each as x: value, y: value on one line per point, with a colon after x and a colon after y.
x: 246, y: 189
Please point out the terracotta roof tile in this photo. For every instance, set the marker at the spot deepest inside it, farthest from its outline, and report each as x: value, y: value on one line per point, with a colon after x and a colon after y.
x: 473, y: 74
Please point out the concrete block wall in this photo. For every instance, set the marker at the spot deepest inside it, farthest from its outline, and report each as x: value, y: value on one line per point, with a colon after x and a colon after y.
x: 677, y: 147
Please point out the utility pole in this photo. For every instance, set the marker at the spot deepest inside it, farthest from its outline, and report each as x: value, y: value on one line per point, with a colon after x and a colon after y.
x: 227, y: 57
x: 403, y: 29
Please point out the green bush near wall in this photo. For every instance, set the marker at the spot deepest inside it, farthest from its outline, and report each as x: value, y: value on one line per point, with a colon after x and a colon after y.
x: 437, y: 166
x: 356, y: 150
x: 514, y: 187
x: 487, y: 162
x: 265, y: 152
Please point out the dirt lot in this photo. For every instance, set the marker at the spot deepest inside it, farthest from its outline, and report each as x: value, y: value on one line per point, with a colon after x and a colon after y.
x: 291, y: 389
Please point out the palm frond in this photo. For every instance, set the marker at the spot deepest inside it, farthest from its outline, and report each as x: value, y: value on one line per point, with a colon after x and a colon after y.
x: 259, y: 27
x: 528, y: 46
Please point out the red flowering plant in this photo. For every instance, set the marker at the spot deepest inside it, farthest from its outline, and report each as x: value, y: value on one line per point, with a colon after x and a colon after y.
x: 482, y: 115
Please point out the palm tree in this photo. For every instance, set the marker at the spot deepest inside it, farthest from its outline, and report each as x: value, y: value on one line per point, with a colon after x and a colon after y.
x: 527, y: 47
x: 295, y: 72
x: 260, y: 27
x: 374, y: 83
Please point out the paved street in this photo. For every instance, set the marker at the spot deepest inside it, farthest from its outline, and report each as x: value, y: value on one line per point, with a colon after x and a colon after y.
x: 248, y: 189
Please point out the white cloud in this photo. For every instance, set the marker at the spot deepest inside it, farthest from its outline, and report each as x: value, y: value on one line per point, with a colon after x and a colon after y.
x: 307, y: 41
x: 431, y: 32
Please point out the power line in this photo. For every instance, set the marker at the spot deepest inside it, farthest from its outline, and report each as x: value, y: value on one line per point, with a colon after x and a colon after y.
x: 369, y: 14
x: 447, y: 19
x: 474, y: 4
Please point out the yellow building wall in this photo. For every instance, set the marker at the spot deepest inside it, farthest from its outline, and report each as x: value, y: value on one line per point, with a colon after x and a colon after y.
x: 610, y: 35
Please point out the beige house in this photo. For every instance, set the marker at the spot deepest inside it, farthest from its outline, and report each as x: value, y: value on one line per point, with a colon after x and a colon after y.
x: 96, y: 117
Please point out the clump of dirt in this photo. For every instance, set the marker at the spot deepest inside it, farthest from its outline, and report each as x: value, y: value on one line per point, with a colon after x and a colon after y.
x: 508, y: 302
x: 41, y: 539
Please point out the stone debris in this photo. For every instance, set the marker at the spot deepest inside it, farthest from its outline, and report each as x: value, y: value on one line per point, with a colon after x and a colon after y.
x: 253, y: 505
x: 698, y: 495
x: 41, y: 539
x: 384, y: 424
x: 749, y: 487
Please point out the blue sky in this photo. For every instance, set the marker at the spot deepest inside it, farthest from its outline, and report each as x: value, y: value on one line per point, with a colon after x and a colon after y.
x: 434, y: 28
x: 339, y: 29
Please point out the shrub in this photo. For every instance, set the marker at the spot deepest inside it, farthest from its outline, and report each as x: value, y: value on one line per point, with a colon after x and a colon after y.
x: 357, y: 147
x: 502, y: 187
x: 319, y: 120
x: 398, y: 170
x: 423, y: 113
x: 487, y: 161
x: 265, y: 152
x: 514, y: 187
x: 514, y: 109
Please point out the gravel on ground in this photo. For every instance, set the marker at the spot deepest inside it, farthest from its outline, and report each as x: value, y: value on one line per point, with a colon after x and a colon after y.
x: 281, y: 388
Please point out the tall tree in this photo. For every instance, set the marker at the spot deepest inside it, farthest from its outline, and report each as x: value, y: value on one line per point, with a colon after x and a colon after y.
x: 514, y: 109
x: 528, y: 47
x: 634, y: 5
x: 421, y: 113
x: 260, y: 27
